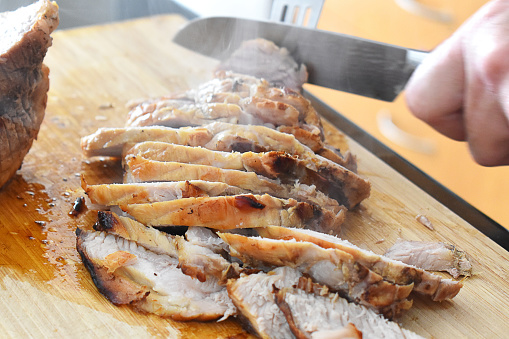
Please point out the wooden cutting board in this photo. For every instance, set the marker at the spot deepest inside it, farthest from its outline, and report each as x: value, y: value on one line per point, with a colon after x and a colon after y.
x: 45, y: 290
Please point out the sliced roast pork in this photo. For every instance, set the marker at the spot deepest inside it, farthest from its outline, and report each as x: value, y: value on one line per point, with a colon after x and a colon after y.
x: 353, y: 189
x: 129, y: 229
x: 230, y: 137
x: 327, y: 315
x: 233, y: 87
x: 181, y: 113
x: 111, y: 141
x: 331, y: 267
x: 391, y: 270
x: 122, y: 194
x: 432, y: 256
x: 238, y: 211
x: 127, y: 273
x: 257, y: 103
x: 254, y: 96
x: 264, y: 59
x: 287, y: 168
x: 253, y: 296
x: 24, y: 80
x: 269, y: 304
x: 201, y: 254
x: 138, y: 169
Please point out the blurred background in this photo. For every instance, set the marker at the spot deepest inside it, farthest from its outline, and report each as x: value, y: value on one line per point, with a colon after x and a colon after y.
x: 419, y: 24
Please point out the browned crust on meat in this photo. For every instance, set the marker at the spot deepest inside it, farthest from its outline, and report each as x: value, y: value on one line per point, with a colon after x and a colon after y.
x: 118, y: 290
x: 274, y: 112
x: 24, y: 83
x: 348, y: 160
x: 424, y: 282
x: 364, y: 286
x: 311, y: 139
x: 289, y: 169
x: 447, y: 289
x: 235, y: 143
x: 109, y: 222
x: 239, y: 211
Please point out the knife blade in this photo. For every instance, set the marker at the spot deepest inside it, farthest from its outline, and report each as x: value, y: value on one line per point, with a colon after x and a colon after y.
x: 338, y: 61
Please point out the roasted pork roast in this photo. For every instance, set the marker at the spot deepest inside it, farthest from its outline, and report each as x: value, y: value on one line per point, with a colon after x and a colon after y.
x: 24, y: 80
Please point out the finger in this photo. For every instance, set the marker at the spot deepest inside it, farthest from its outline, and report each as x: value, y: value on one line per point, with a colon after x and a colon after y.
x: 486, y: 109
x: 435, y: 91
x: 487, y: 123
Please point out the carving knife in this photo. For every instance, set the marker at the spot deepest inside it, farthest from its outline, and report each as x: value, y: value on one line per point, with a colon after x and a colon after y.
x: 338, y: 61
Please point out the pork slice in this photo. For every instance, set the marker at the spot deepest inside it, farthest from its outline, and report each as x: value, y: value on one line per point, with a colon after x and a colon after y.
x: 203, y: 254
x: 129, y: 274
x: 111, y: 141
x: 214, y: 99
x: 161, y: 151
x: 232, y: 212
x: 226, y: 107
x: 253, y: 297
x: 264, y: 59
x: 305, y: 134
x: 136, y: 193
x: 215, y: 136
x: 317, y: 315
x: 263, y: 136
x: 433, y: 256
x: 204, y: 237
x: 181, y: 113
x: 391, y: 270
x: 138, y: 169
x: 331, y: 267
x: 346, y: 159
x: 200, y: 255
x: 24, y: 80
x: 127, y: 228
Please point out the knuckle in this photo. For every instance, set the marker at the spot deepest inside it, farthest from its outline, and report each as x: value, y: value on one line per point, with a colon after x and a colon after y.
x: 493, y: 66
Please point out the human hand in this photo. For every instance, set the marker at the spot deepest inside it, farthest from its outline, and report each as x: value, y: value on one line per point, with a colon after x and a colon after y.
x: 462, y: 88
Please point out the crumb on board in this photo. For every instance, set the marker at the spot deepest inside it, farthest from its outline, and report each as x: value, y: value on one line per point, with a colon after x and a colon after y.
x: 107, y: 105
x: 425, y: 221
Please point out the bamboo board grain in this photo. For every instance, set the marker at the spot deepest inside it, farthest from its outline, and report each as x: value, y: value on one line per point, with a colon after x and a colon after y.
x: 45, y: 290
